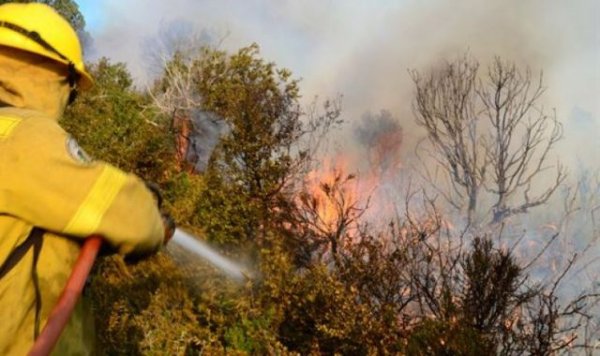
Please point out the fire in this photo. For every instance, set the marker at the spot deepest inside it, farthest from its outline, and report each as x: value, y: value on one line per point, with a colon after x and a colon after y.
x: 346, y: 190
x: 344, y: 195
x: 335, y: 192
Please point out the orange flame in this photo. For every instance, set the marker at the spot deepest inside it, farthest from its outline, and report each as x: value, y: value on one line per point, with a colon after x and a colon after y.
x: 335, y: 192
x: 337, y: 189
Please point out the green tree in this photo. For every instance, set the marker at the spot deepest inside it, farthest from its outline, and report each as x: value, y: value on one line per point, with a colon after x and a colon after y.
x: 252, y: 169
x: 111, y: 122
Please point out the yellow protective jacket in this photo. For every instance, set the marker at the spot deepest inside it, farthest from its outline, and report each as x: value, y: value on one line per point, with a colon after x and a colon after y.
x: 46, y: 182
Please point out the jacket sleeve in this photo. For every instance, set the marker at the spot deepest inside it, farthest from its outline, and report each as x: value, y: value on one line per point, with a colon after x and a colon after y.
x: 47, y: 181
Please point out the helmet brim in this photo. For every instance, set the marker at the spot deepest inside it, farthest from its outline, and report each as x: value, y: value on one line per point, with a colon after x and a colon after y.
x: 86, y: 81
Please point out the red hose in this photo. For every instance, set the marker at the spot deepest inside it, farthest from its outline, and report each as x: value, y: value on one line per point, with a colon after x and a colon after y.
x: 66, y: 303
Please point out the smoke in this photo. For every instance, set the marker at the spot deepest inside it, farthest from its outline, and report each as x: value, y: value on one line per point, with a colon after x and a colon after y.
x: 363, y: 49
x: 178, y: 36
x: 206, y: 131
x: 381, y: 138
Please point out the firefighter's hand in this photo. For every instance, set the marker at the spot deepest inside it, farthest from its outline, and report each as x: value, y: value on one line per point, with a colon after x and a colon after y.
x: 169, y: 224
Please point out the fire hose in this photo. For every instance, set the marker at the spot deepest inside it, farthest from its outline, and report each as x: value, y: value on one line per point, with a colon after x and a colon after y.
x: 70, y: 295
x: 59, y: 317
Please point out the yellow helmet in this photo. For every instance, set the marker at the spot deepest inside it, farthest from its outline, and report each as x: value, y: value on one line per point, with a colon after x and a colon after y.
x: 38, y: 28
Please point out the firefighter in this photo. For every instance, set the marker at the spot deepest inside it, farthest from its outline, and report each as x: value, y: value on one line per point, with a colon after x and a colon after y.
x: 52, y: 195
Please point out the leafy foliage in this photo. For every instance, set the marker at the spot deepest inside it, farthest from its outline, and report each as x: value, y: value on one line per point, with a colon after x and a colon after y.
x: 111, y: 122
x: 249, y: 170
x: 335, y: 287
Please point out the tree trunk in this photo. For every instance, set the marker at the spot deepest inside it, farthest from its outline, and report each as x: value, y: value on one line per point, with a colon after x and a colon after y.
x: 182, y: 129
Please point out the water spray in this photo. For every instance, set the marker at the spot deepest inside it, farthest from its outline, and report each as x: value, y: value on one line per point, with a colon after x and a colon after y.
x: 200, y: 248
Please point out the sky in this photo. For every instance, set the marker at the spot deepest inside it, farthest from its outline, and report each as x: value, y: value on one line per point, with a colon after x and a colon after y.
x: 364, y: 49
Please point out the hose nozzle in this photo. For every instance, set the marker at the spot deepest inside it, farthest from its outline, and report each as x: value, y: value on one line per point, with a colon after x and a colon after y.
x: 170, y: 226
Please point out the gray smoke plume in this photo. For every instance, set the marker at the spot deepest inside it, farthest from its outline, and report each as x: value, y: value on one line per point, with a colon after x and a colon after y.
x: 207, y: 128
x: 362, y: 49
